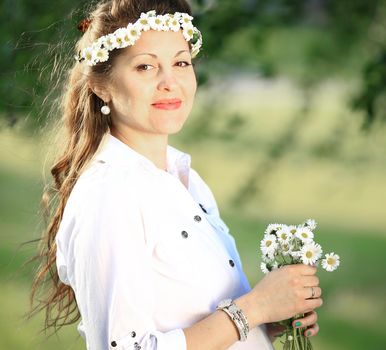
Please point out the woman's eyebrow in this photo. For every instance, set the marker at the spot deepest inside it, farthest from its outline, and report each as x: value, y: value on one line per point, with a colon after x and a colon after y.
x: 155, y: 56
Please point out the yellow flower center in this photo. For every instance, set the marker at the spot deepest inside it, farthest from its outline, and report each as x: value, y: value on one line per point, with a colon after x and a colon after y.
x: 268, y: 243
x: 293, y: 231
x: 283, y: 236
x: 309, y: 254
x: 331, y: 261
x: 143, y: 21
x: 304, y: 235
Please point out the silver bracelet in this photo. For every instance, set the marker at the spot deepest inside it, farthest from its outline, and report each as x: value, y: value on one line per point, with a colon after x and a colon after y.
x: 237, y: 316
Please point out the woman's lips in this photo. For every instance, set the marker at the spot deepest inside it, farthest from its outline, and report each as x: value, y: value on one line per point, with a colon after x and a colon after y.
x: 168, y: 104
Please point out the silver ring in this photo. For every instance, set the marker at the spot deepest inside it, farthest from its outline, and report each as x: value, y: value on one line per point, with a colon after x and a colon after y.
x: 313, y: 292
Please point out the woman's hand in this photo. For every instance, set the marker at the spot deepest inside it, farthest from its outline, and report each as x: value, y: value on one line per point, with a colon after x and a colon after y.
x: 284, y: 293
x: 308, y: 321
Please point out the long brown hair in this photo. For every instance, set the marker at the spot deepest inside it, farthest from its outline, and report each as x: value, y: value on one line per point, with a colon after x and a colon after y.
x: 83, y: 127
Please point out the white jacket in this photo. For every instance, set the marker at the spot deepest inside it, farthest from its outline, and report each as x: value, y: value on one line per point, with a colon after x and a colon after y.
x: 146, y: 252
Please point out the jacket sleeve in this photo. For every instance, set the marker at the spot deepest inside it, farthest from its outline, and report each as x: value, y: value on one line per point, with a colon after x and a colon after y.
x: 102, y: 254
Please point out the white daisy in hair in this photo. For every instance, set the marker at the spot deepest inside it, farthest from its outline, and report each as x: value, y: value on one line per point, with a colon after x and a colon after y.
x: 186, y: 19
x: 268, y: 245
x: 121, y: 38
x: 331, y: 262
x: 101, y: 55
x: 157, y: 23
x: 143, y: 21
x: 310, y: 253
x: 174, y: 24
x: 305, y: 234
x: 263, y: 267
x: 88, y: 55
x: 134, y: 32
x: 188, y: 32
x: 108, y: 42
x: 127, y: 37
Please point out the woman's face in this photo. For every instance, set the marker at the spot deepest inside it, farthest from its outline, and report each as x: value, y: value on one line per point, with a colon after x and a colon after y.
x: 153, y: 85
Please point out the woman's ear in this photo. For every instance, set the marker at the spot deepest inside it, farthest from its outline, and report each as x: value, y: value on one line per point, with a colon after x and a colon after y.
x: 100, y: 91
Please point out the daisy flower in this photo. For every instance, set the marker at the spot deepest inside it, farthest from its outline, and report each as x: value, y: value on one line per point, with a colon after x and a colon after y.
x: 310, y: 253
x: 188, y: 32
x: 108, y: 42
x: 157, y: 23
x: 101, y: 55
x: 305, y: 234
x: 121, y: 38
x: 286, y: 248
x: 311, y: 224
x: 186, y: 19
x: 174, y: 24
x: 266, y: 259
x: 331, y: 262
x: 292, y: 230
x: 283, y: 235
x: 143, y: 21
x: 89, y: 57
x: 134, y: 32
x: 269, y: 245
x: 274, y: 227
x: 263, y: 267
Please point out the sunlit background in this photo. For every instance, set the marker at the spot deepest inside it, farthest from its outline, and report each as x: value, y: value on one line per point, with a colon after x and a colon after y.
x: 288, y: 124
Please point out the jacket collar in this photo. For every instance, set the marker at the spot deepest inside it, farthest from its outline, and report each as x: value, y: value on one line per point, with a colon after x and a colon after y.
x: 111, y: 149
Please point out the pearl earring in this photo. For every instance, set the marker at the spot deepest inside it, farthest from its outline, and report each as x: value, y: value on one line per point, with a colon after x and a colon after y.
x: 105, y: 110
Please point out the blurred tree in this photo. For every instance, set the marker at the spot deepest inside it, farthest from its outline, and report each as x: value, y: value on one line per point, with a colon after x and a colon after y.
x: 319, y: 38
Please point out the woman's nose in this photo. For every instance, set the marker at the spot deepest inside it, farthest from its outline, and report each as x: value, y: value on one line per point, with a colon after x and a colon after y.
x: 167, y: 81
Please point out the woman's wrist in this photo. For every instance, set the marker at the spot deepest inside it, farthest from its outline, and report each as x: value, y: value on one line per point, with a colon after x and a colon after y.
x: 252, y: 313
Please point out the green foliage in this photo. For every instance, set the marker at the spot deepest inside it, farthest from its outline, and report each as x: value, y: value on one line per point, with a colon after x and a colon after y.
x: 372, y: 95
x: 308, y: 39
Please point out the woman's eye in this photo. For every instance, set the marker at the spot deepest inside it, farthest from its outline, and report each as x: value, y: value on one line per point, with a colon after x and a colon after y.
x: 183, y: 64
x: 144, y: 67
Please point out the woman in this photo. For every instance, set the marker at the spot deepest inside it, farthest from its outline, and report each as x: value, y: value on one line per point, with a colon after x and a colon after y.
x: 136, y: 247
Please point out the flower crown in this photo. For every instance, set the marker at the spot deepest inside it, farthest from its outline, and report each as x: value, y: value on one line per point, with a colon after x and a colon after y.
x: 127, y: 36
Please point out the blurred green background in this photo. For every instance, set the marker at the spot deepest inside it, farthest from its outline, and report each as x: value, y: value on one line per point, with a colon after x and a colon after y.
x: 288, y: 124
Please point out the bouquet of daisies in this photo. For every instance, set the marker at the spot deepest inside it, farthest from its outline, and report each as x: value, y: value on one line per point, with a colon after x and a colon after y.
x: 287, y: 245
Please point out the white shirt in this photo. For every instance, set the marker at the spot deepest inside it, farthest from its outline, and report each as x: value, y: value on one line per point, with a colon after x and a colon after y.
x: 143, y: 257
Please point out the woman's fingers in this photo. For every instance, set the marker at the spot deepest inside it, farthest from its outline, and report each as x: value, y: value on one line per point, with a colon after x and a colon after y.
x: 312, y: 331
x: 312, y: 292
x: 310, y: 281
x: 309, y: 320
